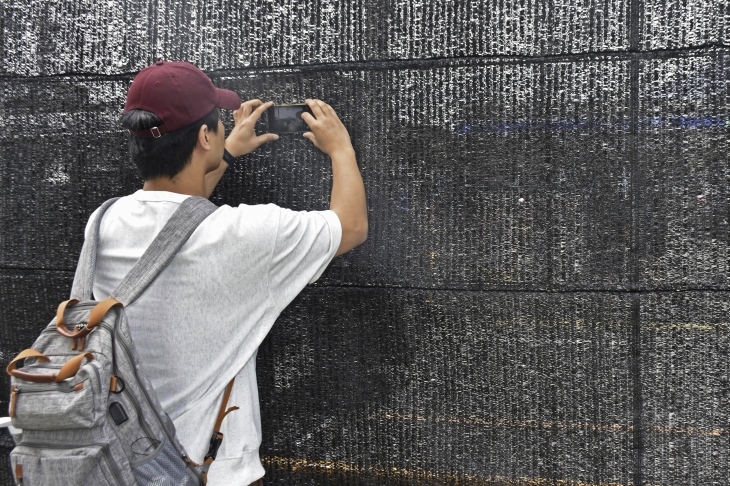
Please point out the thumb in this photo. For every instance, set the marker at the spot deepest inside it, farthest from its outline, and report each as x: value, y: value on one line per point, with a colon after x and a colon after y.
x: 310, y: 136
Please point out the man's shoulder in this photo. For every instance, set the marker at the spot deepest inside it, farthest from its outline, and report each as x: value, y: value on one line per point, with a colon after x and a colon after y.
x: 148, y: 209
x: 247, y: 213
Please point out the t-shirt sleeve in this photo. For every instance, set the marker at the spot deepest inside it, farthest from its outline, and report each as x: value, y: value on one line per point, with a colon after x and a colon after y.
x: 87, y: 228
x: 305, y: 243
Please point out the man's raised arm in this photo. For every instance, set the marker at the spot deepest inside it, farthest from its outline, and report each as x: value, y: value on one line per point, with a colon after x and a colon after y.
x: 243, y: 139
x: 348, y: 191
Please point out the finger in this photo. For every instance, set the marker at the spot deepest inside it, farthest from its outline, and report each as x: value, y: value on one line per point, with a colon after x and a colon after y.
x: 266, y: 137
x: 243, y: 111
x: 308, y: 118
x: 237, y: 114
x: 260, y: 111
x: 248, y: 107
x: 329, y: 110
x: 251, y: 104
x: 316, y: 108
x: 323, y: 106
x: 309, y: 136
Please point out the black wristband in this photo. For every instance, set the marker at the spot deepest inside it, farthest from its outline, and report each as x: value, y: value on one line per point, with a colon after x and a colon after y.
x: 230, y: 159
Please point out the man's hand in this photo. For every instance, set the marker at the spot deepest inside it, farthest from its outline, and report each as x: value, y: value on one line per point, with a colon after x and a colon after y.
x: 243, y: 140
x: 327, y: 131
x: 348, y: 191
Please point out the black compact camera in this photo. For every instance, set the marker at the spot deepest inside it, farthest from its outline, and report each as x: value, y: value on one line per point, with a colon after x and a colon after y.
x: 287, y: 118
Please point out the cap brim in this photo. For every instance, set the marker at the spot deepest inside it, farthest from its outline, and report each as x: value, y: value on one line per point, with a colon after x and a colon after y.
x: 228, y: 100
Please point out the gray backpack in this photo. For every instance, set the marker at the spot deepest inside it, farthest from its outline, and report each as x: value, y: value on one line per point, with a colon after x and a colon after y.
x: 89, y: 416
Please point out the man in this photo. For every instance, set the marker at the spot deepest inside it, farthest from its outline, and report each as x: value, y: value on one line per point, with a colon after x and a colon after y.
x: 201, y: 322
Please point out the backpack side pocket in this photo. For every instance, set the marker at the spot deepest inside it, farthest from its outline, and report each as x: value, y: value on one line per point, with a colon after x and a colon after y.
x: 164, y: 464
x: 71, y: 404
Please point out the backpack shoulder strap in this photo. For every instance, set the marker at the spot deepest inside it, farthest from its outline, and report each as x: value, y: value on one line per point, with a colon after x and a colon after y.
x: 184, y: 221
x: 84, y: 278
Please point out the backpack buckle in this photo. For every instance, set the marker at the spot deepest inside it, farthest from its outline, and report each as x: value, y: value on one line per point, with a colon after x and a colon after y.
x: 215, y: 443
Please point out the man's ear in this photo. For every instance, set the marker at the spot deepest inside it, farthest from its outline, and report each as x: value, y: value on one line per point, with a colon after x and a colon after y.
x: 204, y: 137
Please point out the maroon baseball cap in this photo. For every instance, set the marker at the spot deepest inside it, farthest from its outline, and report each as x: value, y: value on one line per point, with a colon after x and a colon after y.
x: 178, y: 93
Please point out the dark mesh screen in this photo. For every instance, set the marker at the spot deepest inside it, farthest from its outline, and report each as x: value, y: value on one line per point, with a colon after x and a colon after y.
x: 542, y: 299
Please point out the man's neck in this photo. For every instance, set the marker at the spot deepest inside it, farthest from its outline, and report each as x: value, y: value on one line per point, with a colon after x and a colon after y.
x: 191, y: 181
x: 170, y: 185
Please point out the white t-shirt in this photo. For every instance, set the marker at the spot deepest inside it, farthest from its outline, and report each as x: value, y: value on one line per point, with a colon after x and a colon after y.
x: 201, y: 322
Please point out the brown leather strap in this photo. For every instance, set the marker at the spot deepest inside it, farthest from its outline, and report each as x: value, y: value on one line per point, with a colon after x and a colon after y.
x: 26, y: 353
x: 222, y: 412
x: 61, y: 324
x: 69, y: 369
x: 32, y: 377
x: 61, y: 309
x: 95, y: 318
x: 190, y: 461
x: 19, y: 472
x: 13, y: 400
x: 72, y: 367
x: 98, y: 312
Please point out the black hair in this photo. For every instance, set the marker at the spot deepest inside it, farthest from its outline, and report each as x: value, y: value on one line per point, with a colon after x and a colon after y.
x: 167, y: 155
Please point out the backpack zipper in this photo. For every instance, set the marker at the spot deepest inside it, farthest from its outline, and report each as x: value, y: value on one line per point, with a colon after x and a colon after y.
x: 16, y: 390
x: 44, y: 388
x: 133, y: 399
x: 98, y: 374
x: 112, y: 465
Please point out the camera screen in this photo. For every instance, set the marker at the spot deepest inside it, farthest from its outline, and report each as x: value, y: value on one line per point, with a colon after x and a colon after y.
x: 287, y: 118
